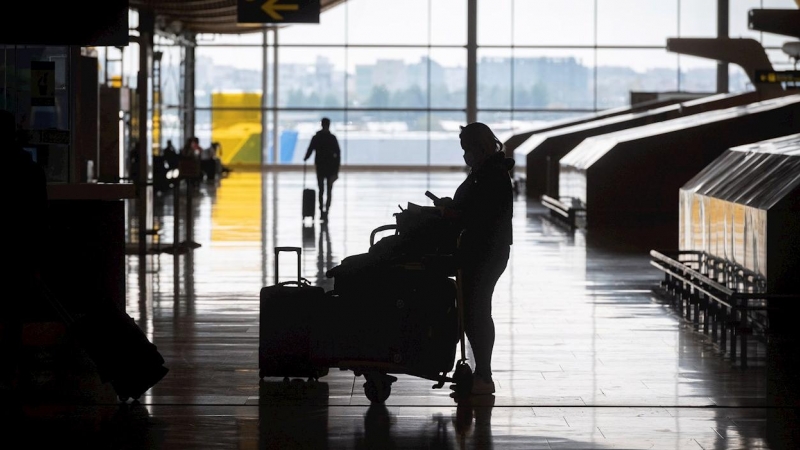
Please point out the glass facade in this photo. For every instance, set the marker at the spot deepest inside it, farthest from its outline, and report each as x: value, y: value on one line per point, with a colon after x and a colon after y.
x: 392, y: 75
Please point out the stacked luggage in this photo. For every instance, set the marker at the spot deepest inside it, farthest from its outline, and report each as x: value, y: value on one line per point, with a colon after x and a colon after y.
x: 393, y: 309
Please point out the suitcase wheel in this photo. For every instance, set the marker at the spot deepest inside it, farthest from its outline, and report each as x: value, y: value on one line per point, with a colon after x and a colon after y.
x: 378, y: 386
x: 462, y: 378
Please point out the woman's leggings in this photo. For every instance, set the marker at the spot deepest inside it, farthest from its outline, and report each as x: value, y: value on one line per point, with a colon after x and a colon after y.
x: 478, y: 279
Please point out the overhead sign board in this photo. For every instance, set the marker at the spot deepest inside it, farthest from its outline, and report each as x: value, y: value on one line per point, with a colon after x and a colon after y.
x: 278, y: 11
x: 778, y: 76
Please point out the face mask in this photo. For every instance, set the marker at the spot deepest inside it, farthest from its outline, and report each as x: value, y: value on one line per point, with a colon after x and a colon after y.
x: 469, y: 158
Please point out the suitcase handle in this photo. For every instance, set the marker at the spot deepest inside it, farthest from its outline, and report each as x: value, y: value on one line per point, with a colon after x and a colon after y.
x: 378, y: 230
x: 302, y: 283
x: 278, y: 251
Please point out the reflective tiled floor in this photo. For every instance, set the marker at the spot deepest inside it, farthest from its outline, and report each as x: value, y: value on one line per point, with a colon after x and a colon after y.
x: 586, y: 355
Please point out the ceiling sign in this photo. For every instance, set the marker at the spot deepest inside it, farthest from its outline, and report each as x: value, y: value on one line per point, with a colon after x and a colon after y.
x: 278, y: 11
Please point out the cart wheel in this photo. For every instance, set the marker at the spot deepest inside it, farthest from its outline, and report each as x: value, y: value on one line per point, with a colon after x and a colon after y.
x: 123, y: 399
x: 260, y: 374
x: 286, y: 380
x: 463, y: 378
x: 377, y: 388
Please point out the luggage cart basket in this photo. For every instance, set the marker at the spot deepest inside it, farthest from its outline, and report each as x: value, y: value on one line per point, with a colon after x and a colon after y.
x: 378, y: 375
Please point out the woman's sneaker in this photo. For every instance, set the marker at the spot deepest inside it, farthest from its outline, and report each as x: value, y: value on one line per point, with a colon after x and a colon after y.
x: 481, y: 386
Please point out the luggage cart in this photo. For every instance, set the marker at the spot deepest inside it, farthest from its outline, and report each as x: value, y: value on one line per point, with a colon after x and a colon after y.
x: 379, y: 375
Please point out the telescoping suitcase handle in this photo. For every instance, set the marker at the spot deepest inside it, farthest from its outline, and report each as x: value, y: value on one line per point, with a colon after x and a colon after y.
x: 278, y: 251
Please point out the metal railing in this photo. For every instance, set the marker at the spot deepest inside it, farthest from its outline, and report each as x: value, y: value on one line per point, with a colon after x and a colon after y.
x: 730, y: 300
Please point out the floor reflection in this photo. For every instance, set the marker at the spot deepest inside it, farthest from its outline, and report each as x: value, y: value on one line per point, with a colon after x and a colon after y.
x: 585, y: 355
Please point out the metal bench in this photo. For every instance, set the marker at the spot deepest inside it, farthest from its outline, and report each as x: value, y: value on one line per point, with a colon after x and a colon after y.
x: 573, y: 215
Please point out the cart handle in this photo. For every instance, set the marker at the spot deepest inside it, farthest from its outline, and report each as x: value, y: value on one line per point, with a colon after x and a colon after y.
x: 378, y: 230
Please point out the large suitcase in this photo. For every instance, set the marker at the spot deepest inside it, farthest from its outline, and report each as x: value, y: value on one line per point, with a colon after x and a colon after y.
x: 288, y: 313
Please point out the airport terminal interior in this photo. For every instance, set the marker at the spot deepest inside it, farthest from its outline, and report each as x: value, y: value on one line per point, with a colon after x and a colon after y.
x: 651, y: 288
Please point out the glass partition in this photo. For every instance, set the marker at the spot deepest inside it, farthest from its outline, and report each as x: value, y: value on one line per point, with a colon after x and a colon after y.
x: 35, y: 86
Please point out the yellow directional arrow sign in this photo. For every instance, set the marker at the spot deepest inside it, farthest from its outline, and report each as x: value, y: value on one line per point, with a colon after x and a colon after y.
x: 278, y: 11
x: 271, y: 7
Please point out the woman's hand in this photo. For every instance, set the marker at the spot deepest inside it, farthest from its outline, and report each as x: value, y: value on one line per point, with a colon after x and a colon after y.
x: 443, y: 202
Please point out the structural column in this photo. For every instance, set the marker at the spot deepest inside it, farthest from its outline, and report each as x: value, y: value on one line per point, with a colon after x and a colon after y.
x: 146, y: 31
x: 472, y: 61
x: 188, y: 102
x: 722, y: 33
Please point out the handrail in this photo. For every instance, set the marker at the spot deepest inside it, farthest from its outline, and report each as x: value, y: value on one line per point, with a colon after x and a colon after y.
x: 745, y: 311
x: 682, y: 267
x: 708, y: 292
x: 720, y: 293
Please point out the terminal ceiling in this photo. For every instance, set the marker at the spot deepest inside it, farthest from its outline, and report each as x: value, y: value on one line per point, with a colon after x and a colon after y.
x: 202, y: 16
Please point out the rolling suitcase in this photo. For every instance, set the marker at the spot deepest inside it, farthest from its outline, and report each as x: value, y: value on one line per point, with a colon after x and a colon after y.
x: 309, y: 198
x: 288, y: 312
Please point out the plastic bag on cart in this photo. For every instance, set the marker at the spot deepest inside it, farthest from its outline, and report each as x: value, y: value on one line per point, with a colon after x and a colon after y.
x: 423, y: 230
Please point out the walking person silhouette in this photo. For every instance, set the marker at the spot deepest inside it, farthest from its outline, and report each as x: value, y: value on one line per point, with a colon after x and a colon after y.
x: 327, y: 159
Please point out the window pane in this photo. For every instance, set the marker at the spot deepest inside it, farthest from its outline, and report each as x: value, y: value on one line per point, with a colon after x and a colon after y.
x: 494, y: 78
x: 444, y: 142
x: 698, y: 74
x: 202, y: 128
x: 621, y: 71
x: 738, y: 81
x: 311, y: 77
x: 499, y: 122
x: 494, y: 22
x: 525, y: 121
x: 565, y: 22
x: 698, y: 18
x: 388, y: 77
x: 739, y: 11
x: 329, y: 30
x: 448, y: 78
x: 171, y: 126
x: 387, y: 22
x: 238, y: 62
x: 636, y: 22
x: 297, y: 128
x: 386, y: 138
x: 557, y: 79
x: 780, y: 60
x: 448, y: 22
x: 171, y: 86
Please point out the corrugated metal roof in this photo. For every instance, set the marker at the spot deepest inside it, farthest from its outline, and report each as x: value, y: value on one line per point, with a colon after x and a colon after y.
x: 758, y: 175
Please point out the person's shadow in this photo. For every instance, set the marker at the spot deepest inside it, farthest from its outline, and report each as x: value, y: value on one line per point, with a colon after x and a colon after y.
x: 324, y: 258
x: 473, y: 420
x: 471, y: 423
x: 293, y: 415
